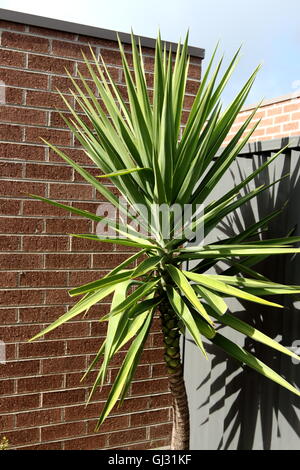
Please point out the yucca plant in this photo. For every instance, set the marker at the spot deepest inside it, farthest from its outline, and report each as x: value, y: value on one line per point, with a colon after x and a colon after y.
x: 141, y: 147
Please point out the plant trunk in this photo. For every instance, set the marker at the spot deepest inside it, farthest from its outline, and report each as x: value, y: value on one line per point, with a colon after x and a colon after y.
x: 181, y: 423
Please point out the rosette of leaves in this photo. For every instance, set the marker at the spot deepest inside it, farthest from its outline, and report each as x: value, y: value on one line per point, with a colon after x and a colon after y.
x: 140, y: 146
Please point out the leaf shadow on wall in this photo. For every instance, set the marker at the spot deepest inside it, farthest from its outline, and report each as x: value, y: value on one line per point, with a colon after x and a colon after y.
x: 258, y: 414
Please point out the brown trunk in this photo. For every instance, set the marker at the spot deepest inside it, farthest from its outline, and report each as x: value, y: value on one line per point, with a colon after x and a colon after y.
x: 181, y: 425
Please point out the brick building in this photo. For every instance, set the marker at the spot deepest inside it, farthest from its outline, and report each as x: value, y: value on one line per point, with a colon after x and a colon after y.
x: 42, y: 400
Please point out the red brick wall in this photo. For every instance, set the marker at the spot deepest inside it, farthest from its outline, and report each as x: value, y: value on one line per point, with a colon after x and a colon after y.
x: 280, y: 117
x: 42, y: 401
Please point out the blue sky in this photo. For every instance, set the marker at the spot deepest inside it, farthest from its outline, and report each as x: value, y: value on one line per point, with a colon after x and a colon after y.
x: 268, y: 29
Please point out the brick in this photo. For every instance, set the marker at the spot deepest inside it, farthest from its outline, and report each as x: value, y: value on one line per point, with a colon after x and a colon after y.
x: 86, y: 206
x: 48, y: 172
x: 40, y: 314
x: 22, y: 188
x: 114, y: 57
x: 12, y: 58
x: 108, y: 260
x: 9, y: 243
x: 50, y: 64
x: 67, y: 261
x: 24, y: 79
x: 40, y: 384
x: 114, y: 72
x: 7, y: 387
x: 47, y: 446
x: 12, y: 170
x: 34, y: 207
x: 152, y: 356
x: 8, y: 279
x: 41, y: 349
x: 192, y: 86
x: 148, y: 387
x: 63, y: 364
x: 13, y: 96
x: 159, y: 370
x: 272, y: 130
x: 8, y: 207
x: 131, y: 405
x: 49, y: 100
x: 64, y: 84
x: 19, y: 368
x: 291, y: 126
x: 73, y: 413
x: 99, y: 41
x: 7, y: 422
x: 11, y: 25
x: 21, y: 225
x: 38, y: 418
x: 51, y: 33
x: 66, y: 397
x: 194, y: 71
x: 295, y: 116
x: 83, y: 277
x: 82, y: 244
x: 160, y: 430
x: 78, y: 346
x: 70, y: 49
x: 58, y: 296
x: 70, y: 330
x: 74, y: 380
x: 18, y: 333
x: 273, y: 111
x: 21, y: 297
x: 158, y: 340
x: 45, y: 243
x: 76, y: 154
x: 141, y: 372
x: 10, y: 132
x: 151, y: 417
x: 61, y: 431
x: 111, y: 424
x: 160, y: 401
x: 43, y: 279
x: 23, y: 436
x: 124, y: 437
x: 99, y: 329
x: 86, y: 443
x: 56, y: 137
x: 67, y: 226
x: 283, y: 118
x: 8, y: 315
x: 71, y: 191
x: 22, y: 152
x: 291, y: 107
x: 24, y: 42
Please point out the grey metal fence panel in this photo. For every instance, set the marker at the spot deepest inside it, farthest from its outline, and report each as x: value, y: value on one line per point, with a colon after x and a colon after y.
x: 234, y: 407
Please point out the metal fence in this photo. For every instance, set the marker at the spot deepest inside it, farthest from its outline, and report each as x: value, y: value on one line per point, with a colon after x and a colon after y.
x: 233, y: 407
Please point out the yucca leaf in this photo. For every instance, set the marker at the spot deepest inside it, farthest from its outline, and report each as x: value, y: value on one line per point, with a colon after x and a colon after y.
x: 185, y: 287
x: 126, y: 371
x: 219, y: 286
x: 84, y: 304
x: 100, y: 283
x: 254, y: 333
x: 139, y: 293
x: 181, y: 309
x: 237, y: 352
x: 146, y: 266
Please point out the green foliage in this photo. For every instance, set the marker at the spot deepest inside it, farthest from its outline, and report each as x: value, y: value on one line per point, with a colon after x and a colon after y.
x: 141, y: 148
x: 4, y: 443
